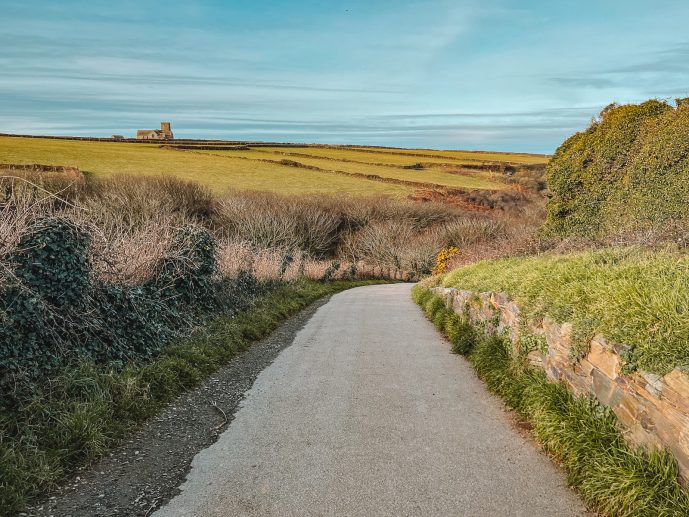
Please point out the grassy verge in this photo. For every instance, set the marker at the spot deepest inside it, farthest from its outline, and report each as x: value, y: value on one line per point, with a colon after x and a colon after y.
x: 580, y: 434
x: 82, y: 413
x: 635, y: 297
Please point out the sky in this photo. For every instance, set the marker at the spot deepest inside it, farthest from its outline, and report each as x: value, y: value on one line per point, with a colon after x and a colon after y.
x: 492, y: 74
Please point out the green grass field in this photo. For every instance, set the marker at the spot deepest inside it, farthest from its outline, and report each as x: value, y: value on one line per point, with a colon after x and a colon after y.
x: 248, y: 169
x: 435, y: 175
x: 407, y: 156
x: 466, y: 156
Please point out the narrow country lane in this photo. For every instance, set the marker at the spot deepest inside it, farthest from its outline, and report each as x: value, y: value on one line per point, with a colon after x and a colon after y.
x: 367, y: 413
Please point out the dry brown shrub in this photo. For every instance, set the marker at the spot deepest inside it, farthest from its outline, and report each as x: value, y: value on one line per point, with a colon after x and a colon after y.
x: 130, y: 257
x: 124, y: 201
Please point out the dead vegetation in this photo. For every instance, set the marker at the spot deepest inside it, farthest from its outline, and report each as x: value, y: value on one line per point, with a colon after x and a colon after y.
x: 133, y: 218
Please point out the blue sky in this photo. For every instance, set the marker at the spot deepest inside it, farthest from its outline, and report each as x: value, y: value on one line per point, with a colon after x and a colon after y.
x: 490, y: 74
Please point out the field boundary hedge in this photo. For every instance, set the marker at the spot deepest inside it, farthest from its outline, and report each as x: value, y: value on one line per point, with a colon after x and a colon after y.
x: 626, y: 173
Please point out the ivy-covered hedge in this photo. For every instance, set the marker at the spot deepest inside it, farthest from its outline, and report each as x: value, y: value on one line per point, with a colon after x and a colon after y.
x: 628, y: 171
x: 53, y: 312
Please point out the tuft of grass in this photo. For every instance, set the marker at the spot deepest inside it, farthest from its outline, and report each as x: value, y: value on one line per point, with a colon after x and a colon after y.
x: 82, y: 413
x: 580, y: 434
x: 635, y: 297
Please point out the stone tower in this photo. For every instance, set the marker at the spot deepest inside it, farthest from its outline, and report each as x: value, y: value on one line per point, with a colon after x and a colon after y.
x: 166, y: 130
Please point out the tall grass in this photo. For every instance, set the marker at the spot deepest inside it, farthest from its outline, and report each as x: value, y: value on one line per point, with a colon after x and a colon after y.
x: 581, y: 435
x: 633, y: 296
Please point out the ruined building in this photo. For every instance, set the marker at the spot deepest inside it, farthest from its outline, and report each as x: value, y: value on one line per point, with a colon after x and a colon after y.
x: 164, y: 133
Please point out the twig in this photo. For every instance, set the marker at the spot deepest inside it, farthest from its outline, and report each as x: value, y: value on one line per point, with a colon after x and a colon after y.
x: 217, y: 427
x: 153, y: 507
x: 50, y: 194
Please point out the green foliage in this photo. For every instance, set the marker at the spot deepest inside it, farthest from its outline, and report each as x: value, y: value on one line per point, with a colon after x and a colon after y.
x: 53, y: 314
x: 634, y: 297
x: 185, y: 274
x: 73, y: 419
x: 583, y: 436
x: 51, y: 259
x: 457, y: 328
x: 627, y: 172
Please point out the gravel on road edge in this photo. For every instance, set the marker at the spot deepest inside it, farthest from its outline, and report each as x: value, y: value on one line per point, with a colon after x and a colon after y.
x: 144, y: 472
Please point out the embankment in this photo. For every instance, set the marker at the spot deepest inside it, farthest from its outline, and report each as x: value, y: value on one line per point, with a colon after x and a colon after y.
x: 621, y: 431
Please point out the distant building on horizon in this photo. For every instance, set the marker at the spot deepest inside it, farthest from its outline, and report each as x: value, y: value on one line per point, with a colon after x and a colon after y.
x: 164, y: 133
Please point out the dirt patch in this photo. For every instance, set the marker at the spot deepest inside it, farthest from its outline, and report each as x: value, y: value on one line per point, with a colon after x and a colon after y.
x: 144, y: 472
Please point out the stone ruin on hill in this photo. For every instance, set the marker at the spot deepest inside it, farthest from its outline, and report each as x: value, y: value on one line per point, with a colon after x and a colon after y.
x: 164, y: 133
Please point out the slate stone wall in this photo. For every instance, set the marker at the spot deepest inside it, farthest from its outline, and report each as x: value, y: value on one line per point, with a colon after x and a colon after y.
x: 652, y: 410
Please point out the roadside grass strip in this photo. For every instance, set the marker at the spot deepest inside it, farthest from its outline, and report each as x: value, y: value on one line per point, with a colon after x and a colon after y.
x: 580, y: 434
x: 79, y: 415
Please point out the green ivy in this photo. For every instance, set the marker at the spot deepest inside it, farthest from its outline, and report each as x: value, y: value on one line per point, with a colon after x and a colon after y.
x: 53, y: 313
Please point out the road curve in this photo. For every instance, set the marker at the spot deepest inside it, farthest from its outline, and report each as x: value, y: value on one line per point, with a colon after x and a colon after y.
x: 368, y: 414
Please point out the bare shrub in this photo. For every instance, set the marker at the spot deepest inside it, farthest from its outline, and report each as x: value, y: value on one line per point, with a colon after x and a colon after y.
x: 129, y: 256
x: 468, y: 231
x: 57, y: 189
x: 234, y: 257
x: 130, y: 201
x: 273, y: 221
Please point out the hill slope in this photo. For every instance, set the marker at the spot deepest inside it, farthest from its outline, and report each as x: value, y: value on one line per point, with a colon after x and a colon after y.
x: 291, y: 169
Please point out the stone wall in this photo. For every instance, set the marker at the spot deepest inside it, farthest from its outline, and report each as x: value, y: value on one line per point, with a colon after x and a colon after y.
x: 653, y: 411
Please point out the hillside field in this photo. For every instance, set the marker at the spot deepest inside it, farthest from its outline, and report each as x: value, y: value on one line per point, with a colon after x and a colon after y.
x: 289, y: 170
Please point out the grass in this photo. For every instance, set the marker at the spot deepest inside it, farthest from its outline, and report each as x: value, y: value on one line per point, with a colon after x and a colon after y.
x: 635, y: 297
x: 104, y: 159
x: 437, y: 176
x: 405, y: 157
x: 85, y: 411
x: 245, y: 170
x: 580, y: 434
x: 470, y: 156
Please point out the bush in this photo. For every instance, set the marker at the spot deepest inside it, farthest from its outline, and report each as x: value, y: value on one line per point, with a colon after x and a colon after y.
x: 55, y: 314
x: 52, y: 260
x: 627, y: 172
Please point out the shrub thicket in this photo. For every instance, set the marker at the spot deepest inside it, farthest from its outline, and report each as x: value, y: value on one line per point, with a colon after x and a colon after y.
x: 628, y: 172
x: 55, y: 313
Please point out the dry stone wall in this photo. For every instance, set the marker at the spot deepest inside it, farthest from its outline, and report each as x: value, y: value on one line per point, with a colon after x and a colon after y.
x: 653, y: 411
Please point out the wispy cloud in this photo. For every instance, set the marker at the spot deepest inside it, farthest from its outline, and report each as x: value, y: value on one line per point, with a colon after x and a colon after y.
x: 495, y: 74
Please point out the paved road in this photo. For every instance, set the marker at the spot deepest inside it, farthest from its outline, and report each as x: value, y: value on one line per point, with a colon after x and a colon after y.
x: 367, y: 414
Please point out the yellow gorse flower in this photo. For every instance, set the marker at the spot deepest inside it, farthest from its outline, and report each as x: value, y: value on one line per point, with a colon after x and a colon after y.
x: 443, y: 259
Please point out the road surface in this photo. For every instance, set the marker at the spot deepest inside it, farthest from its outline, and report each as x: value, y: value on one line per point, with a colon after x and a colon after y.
x: 367, y: 413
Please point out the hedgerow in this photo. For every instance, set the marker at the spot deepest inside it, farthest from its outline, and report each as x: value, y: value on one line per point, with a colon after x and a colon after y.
x: 55, y: 313
x: 583, y: 436
x: 628, y: 171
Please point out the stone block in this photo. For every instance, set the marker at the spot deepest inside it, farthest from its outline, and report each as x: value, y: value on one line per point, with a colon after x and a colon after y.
x: 605, y: 389
x: 676, y: 389
x: 653, y: 411
x: 602, y: 357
